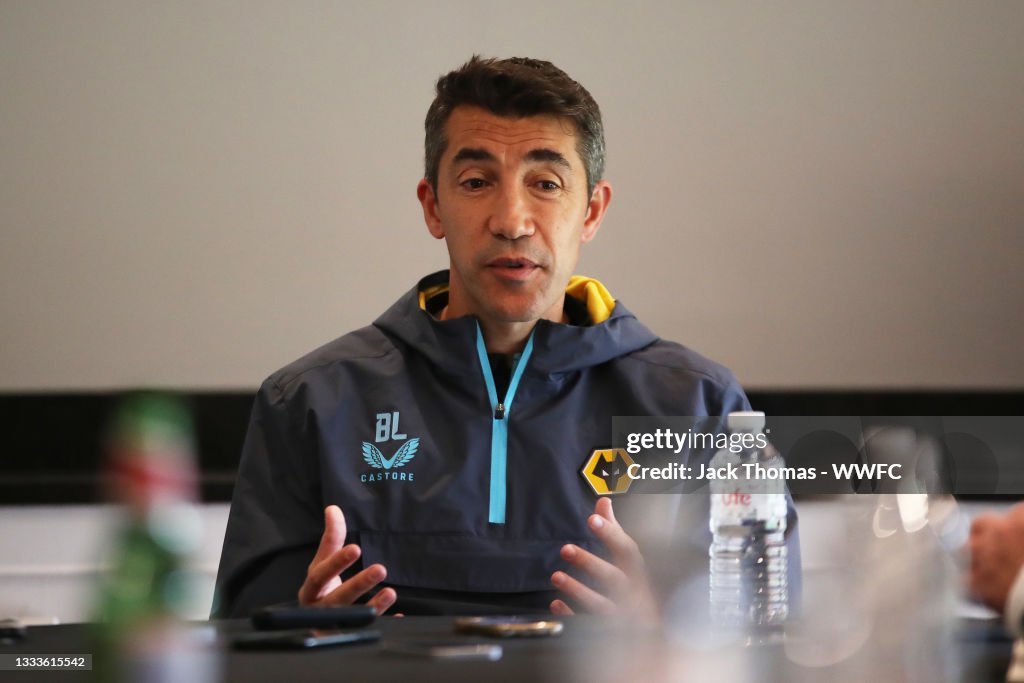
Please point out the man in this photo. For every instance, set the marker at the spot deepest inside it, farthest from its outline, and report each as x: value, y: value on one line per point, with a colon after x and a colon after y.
x: 439, y: 449
x: 997, y: 564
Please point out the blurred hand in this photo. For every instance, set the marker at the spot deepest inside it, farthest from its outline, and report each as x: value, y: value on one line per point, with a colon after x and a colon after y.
x: 323, y: 585
x: 627, y: 589
x: 997, y: 553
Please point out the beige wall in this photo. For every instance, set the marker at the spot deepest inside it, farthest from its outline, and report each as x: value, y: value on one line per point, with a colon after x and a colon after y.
x: 815, y: 193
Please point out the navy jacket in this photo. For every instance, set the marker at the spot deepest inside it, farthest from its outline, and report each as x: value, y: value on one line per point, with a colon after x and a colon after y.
x: 396, y: 423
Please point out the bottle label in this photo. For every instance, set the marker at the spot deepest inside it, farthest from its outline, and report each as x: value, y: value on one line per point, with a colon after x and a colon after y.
x: 737, y: 507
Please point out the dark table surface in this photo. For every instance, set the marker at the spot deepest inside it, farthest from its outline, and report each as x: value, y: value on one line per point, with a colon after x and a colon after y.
x: 589, y: 649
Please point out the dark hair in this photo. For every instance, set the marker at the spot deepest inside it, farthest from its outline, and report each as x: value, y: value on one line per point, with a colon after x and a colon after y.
x: 516, y: 87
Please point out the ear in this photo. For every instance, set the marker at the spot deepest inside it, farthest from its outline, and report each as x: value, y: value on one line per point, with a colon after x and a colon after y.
x: 428, y: 200
x: 599, y: 201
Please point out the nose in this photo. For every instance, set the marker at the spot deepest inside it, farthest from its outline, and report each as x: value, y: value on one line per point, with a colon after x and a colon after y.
x: 510, y: 215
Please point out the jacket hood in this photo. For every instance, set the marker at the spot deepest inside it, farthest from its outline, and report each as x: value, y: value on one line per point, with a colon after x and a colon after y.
x: 557, y: 347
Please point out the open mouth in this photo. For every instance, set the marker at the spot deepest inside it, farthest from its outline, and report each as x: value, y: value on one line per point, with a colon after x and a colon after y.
x: 513, y: 268
x: 513, y: 263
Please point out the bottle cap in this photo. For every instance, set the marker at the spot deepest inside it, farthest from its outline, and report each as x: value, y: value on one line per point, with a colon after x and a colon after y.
x: 746, y: 422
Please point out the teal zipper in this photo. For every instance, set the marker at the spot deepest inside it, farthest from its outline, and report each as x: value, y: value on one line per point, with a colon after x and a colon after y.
x: 499, y: 425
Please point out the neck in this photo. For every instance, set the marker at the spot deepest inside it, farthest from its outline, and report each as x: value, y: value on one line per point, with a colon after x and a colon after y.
x: 502, y: 337
x: 506, y: 338
x: 499, y: 337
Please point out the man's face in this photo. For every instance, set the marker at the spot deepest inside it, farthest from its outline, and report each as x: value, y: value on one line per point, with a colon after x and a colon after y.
x: 512, y: 206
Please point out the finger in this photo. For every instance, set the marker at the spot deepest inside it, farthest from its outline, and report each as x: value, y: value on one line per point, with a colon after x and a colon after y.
x: 327, y: 569
x: 322, y: 573
x: 590, y: 599
x: 349, y: 591
x: 383, y: 600
x: 625, y: 551
x: 606, y: 573
x: 604, y: 508
x: 559, y: 607
x: 333, y: 537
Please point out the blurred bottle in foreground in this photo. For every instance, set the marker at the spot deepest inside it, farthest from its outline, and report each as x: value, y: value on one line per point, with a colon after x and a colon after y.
x: 140, y: 633
x: 880, y: 593
x: 749, y: 588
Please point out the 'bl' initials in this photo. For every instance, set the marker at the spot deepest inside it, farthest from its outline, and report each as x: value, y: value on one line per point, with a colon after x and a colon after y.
x: 387, y: 427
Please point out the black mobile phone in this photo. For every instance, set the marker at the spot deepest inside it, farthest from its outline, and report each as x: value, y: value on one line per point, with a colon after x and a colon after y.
x: 301, y: 639
x: 11, y: 630
x: 278, y: 618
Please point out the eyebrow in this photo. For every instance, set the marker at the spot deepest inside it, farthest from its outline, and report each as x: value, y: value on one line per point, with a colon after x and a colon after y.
x: 548, y: 155
x: 473, y: 154
x: 541, y: 154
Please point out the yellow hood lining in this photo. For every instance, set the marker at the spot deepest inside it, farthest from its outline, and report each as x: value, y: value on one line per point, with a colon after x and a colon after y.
x: 598, y: 299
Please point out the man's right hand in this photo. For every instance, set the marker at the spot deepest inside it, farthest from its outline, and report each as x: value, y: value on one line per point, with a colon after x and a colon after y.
x: 323, y: 585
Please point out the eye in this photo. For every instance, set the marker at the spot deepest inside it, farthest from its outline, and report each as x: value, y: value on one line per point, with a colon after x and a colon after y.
x: 548, y: 185
x: 474, y: 183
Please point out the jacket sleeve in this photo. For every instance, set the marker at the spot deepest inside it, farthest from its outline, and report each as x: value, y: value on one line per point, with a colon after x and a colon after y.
x: 276, y: 515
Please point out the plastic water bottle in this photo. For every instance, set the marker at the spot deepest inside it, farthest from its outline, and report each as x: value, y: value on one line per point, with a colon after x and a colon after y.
x: 749, y: 590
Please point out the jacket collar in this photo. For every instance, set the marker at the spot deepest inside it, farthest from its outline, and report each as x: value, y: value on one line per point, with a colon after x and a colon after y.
x: 558, y: 348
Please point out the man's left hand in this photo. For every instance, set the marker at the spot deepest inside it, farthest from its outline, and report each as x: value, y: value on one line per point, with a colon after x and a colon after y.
x: 624, y: 579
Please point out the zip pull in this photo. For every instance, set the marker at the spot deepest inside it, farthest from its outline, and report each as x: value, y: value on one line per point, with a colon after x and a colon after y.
x: 499, y: 426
